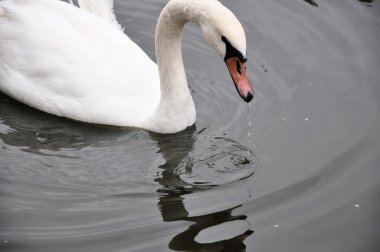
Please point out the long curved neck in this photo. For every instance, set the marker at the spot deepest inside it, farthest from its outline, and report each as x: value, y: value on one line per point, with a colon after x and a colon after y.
x: 176, y: 110
x: 169, y: 54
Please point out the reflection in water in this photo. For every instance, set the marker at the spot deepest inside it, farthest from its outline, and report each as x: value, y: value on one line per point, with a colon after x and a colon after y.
x: 49, y: 133
x: 185, y: 241
x: 36, y: 132
x: 172, y: 195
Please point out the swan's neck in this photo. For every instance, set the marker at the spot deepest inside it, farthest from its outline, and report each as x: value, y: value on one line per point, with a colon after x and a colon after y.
x: 176, y: 110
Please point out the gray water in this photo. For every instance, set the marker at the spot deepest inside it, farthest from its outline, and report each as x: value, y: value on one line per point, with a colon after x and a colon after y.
x: 298, y: 171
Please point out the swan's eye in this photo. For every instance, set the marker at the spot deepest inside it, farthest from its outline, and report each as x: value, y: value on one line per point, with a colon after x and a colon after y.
x: 238, y: 67
x: 232, y: 51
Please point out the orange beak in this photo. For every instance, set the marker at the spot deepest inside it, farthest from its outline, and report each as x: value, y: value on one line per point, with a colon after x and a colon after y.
x: 239, y: 76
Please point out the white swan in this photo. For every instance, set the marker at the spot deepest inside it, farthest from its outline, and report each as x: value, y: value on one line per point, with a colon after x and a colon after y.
x: 77, y: 63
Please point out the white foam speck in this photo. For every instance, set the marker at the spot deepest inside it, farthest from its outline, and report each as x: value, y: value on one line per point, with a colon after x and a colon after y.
x: 40, y: 139
x: 276, y: 226
x: 357, y: 205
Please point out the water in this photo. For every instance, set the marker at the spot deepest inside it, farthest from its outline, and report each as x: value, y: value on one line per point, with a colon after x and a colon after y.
x: 299, y: 171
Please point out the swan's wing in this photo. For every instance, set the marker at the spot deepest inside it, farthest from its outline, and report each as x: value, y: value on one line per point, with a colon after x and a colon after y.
x: 67, y: 62
x: 101, y: 8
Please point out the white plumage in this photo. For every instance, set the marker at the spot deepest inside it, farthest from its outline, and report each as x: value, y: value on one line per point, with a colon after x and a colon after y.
x: 77, y: 63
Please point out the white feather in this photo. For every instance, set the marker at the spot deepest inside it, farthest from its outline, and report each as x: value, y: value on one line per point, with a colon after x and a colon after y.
x: 68, y: 62
x: 101, y: 8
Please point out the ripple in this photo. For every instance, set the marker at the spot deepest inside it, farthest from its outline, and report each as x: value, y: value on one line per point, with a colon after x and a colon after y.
x: 68, y: 186
x: 222, y: 161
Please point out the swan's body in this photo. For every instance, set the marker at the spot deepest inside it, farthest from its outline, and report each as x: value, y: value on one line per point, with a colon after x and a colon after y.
x: 79, y: 64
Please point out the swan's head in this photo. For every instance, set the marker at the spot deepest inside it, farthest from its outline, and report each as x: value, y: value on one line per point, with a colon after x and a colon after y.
x: 225, y: 34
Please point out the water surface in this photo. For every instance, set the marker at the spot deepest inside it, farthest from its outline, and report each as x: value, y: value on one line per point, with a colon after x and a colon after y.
x: 299, y: 171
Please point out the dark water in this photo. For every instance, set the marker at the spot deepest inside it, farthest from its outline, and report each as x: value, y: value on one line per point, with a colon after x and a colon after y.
x: 299, y: 171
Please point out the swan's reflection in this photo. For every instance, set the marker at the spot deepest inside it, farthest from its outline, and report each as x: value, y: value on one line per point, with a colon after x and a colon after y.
x: 33, y: 130
x: 185, y: 241
x: 174, y: 149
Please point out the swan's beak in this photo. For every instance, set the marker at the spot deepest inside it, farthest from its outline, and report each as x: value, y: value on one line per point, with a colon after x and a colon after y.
x: 238, y: 74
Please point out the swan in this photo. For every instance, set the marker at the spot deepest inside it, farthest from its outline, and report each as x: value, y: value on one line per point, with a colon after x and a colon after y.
x: 78, y: 63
